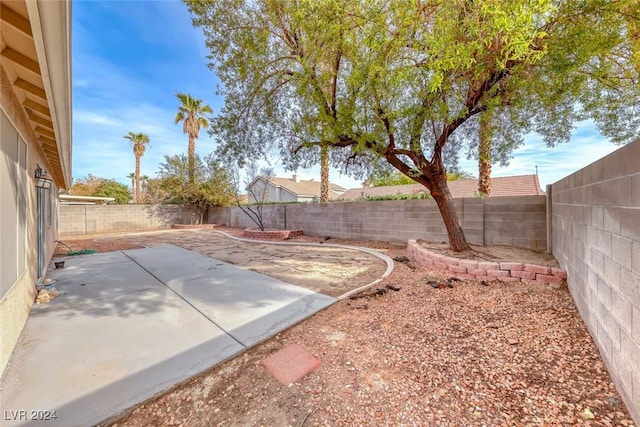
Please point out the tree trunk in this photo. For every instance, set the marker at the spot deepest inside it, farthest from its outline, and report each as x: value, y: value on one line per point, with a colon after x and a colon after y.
x: 484, y: 156
x: 442, y: 196
x: 324, y: 173
x: 136, y: 194
x: 192, y: 158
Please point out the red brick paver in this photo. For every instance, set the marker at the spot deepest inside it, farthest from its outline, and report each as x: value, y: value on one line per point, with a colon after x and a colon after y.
x: 291, y: 363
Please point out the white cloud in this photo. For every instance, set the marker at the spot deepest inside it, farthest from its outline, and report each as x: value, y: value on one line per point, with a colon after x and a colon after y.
x: 92, y: 118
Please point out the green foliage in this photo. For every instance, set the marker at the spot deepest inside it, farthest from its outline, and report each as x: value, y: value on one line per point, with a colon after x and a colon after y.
x: 458, y: 175
x: 96, y: 186
x: 113, y: 188
x: 382, y: 178
x: 139, y: 142
x: 415, y: 196
x: 406, y: 84
x: 211, y: 185
x: 85, y: 186
x: 192, y: 113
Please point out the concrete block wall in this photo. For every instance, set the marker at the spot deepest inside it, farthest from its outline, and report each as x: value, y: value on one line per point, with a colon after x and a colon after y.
x: 515, y: 221
x: 393, y: 221
x: 96, y: 219
x: 595, y: 226
x: 500, y: 220
x: 272, y: 215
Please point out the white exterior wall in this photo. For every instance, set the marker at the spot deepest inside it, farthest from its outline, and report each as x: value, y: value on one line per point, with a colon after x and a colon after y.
x: 274, y: 194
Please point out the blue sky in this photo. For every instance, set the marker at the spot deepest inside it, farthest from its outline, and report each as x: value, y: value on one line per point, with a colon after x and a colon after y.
x: 131, y: 57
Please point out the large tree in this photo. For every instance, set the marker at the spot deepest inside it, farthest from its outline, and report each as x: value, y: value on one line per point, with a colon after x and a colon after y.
x: 301, y: 127
x: 97, y: 186
x: 210, y: 184
x: 115, y: 189
x: 85, y: 186
x: 410, y: 78
x: 139, y: 142
x: 192, y: 113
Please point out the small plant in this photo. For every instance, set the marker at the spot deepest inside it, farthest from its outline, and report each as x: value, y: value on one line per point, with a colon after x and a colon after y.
x: 257, y: 186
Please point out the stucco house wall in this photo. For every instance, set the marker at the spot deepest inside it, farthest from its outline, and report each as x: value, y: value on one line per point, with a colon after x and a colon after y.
x: 35, y: 134
x: 273, y: 194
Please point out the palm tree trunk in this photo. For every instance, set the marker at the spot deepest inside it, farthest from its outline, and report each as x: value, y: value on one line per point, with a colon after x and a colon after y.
x: 192, y: 158
x: 136, y: 195
x: 324, y: 173
x: 484, y: 156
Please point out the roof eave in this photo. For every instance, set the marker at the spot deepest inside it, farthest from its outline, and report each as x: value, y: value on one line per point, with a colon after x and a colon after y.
x: 51, y: 26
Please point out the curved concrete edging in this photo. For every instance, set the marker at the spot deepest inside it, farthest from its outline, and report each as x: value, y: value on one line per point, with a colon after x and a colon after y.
x: 385, y: 258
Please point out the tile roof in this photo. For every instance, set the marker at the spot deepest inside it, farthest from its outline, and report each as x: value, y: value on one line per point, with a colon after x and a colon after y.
x: 518, y: 185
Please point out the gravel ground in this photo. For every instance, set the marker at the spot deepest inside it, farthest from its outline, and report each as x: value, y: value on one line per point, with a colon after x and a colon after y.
x: 470, y: 354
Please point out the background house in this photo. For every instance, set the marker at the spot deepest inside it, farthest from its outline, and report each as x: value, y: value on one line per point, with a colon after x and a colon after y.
x: 35, y: 150
x: 289, y: 190
x: 518, y: 185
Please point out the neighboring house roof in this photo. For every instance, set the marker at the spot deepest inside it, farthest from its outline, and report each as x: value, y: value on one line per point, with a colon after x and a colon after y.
x: 518, y: 185
x: 303, y: 188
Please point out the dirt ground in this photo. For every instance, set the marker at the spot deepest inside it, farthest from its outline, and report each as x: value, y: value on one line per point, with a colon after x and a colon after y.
x: 472, y: 353
x: 496, y: 253
x: 329, y: 270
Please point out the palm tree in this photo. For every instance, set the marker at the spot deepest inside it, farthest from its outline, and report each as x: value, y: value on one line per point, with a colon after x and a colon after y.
x: 484, y: 155
x: 191, y: 113
x: 324, y: 173
x: 132, y: 177
x: 144, y: 180
x: 139, y: 143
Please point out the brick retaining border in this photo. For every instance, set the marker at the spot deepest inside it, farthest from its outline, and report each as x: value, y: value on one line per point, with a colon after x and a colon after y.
x: 254, y: 233
x: 486, y: 270
x: 195, y: 226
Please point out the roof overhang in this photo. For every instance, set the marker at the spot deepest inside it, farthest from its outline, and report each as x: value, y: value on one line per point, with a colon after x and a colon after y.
x: 36, y: 58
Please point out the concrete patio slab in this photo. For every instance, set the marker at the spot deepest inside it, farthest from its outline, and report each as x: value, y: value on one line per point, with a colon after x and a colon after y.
x: 130, y: 325
x: 247, y: 305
